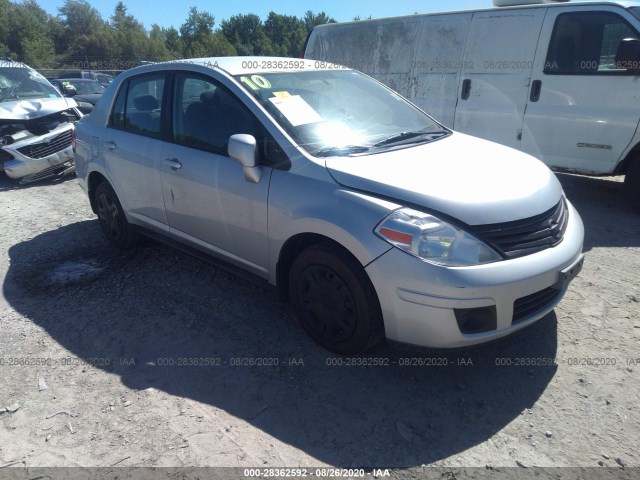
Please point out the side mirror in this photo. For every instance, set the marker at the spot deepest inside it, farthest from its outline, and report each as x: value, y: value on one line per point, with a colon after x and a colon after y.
x: 242, y: 148
x: 628, y: 55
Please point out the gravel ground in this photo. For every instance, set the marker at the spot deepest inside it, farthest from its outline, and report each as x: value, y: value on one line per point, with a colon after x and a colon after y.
x: 146, y: 358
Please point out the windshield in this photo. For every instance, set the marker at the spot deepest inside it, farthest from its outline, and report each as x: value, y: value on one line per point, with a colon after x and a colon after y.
x: 340, y: 112
x: 86, y: 88
x: 18, y: 82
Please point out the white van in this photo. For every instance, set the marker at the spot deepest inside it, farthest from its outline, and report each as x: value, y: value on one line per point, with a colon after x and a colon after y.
x: 560, y: 81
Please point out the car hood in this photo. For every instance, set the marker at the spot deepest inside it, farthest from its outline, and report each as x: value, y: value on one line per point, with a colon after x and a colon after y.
x: 33, y: 108
x: 473, y: 180
x: 91, y: 98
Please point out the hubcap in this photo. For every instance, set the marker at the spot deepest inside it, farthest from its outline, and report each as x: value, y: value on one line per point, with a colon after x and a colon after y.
x: 327, y: 303
x: 109, y: 216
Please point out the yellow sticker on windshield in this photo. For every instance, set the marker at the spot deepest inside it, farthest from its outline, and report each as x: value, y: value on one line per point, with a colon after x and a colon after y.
x: 281, y: 94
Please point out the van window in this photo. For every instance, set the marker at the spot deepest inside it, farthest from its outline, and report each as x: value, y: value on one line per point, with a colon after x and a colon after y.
x: 592, y: 43
x: 144, y: 104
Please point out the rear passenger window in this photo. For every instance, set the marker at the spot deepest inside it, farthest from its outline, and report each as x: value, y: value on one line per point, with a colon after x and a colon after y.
x: 138, y: 106
x: 592, y: 43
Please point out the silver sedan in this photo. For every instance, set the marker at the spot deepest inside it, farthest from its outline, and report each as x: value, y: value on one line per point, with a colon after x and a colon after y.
x: 372, y: 218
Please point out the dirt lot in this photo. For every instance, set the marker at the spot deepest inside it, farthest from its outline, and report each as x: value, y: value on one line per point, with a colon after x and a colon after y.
x: 140, y: 320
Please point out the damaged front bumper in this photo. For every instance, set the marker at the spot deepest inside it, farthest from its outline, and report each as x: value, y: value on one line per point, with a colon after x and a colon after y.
x: 40, y: 154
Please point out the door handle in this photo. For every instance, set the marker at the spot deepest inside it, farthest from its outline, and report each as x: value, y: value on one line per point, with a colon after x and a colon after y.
x: 110, y: 144
x: 173, y: 164
x: 466, y: 89
x: 536, y: 88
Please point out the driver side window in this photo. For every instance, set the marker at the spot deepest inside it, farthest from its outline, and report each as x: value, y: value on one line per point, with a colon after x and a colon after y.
x: 206, y: 114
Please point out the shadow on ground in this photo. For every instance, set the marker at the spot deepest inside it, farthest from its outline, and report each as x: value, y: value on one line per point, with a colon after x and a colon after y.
x: 7, y: 183
x: 154, y: 303
x: 609, y: 219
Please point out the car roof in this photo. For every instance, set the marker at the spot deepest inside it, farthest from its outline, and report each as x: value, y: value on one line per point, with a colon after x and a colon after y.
x: 244, y: 65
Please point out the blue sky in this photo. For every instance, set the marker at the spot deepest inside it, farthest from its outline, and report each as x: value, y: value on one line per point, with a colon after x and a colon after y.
x: 167, y: 13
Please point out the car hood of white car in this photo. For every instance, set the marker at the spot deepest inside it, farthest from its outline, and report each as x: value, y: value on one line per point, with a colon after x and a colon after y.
x: 21, y: 110
x: 475, y: 181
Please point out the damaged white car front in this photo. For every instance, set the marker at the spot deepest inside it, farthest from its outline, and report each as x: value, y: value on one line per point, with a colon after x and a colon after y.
x: 36, y: 125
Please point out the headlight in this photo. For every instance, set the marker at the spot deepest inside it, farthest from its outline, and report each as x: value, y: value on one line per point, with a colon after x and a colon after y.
x: 434, y: 240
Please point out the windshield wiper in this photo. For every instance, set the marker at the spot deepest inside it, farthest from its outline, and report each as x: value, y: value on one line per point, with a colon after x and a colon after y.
x: 341, y: 151
x: 404, y: 136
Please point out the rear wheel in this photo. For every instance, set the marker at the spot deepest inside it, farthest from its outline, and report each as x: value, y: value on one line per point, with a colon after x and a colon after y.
x: 334, y: 300
x: 632, y: 184
x: 112, y: 220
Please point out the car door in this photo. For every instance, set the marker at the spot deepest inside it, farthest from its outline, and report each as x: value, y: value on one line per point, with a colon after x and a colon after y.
x: 130, y: 147
x: 496, y: 72
x: 583, y: 107
x: 209, y: 203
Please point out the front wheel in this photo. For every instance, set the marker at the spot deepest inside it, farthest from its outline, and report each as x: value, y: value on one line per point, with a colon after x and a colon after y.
x: 632, y: 184
x: 112, y: 220
x: 334, y: 300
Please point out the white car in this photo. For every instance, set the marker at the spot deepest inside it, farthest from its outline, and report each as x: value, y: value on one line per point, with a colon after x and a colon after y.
x: 36, y: 125
x: 371, y: 217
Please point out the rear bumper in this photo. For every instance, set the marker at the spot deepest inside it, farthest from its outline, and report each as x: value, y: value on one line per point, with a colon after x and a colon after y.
x: 425, y: 304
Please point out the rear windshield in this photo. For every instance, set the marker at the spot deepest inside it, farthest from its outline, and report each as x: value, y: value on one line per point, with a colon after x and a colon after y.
x: 86, y: 88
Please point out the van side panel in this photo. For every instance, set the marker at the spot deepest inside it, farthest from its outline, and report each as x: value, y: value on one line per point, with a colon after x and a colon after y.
x: 382, y: 49
x: 437, y: 63
x: 496, y: 74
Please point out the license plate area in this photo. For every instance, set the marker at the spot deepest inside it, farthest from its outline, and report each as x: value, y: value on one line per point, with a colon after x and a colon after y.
x: 569, y: 273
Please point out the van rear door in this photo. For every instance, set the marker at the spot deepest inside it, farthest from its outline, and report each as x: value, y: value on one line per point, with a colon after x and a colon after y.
x: 496, y: 72
x: 437, y: 63
x: 584, y: 102
x: 382, y: 48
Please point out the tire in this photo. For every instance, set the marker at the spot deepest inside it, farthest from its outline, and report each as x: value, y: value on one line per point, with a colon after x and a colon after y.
x: 334, y: 300
x: 113, y: 221
x: 632, y: 184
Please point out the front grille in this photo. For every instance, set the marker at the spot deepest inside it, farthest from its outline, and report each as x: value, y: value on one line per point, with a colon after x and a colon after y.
x: 44, y: 149
x: 524, y: 237
x: 525, y: 306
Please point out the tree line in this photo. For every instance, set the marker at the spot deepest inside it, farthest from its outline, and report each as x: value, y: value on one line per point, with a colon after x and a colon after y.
x: 79, y: 35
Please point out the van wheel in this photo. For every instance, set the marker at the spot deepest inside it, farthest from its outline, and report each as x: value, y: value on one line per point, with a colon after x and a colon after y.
x: 334, y: 300
x: 632, y: 184
x: 112, y: 220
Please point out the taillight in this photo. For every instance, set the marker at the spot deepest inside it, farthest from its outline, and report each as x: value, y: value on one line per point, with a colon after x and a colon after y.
x: 73, y: 140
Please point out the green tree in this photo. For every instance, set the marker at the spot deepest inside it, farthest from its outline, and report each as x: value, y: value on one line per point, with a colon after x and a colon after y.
x: 5, y: 9
x: 131, y: 37
x: 246, y: 34
x: 157, y: 49
x: 198, y: 38
x: 86, y: 34
x: 28, y: 35
x: 286, y: 34
x: 311, y: 19
x: 173, y: 42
